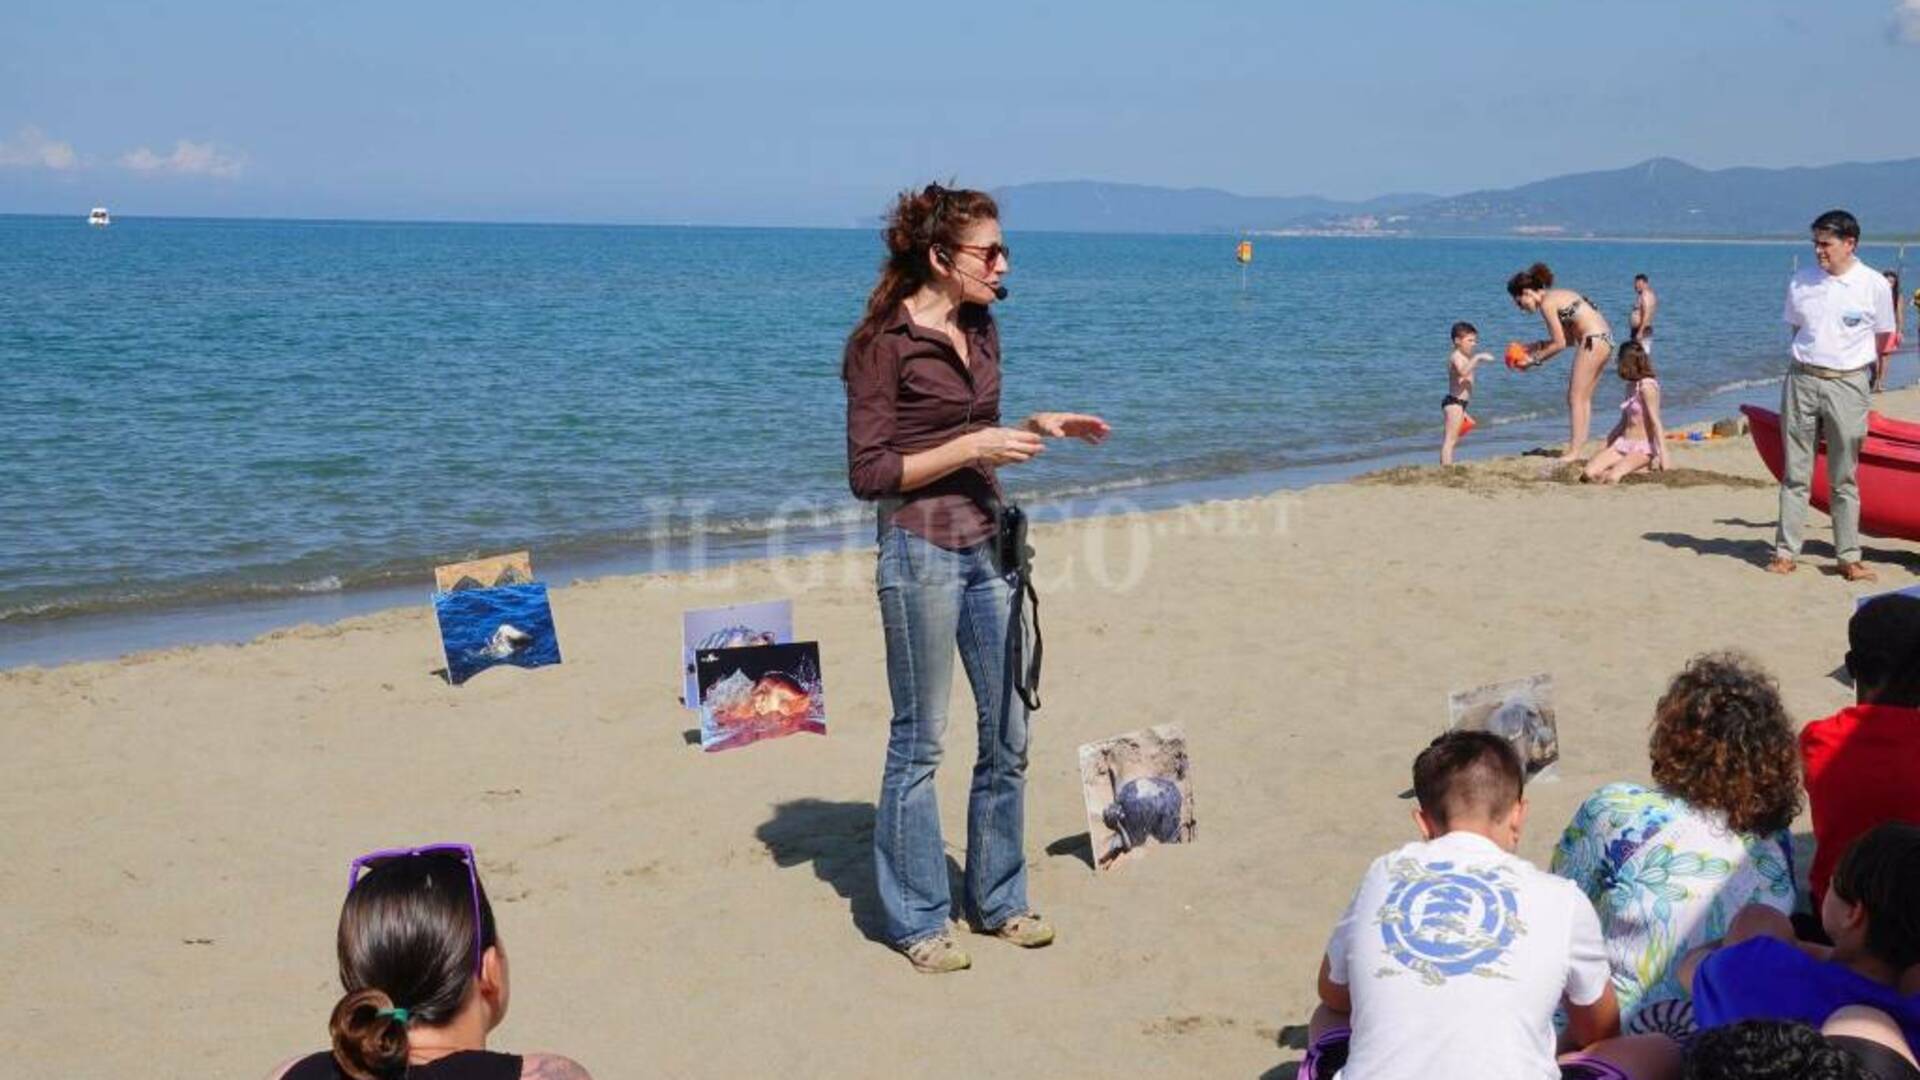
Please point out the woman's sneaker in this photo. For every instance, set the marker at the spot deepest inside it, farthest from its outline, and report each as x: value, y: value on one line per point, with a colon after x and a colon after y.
x: 1027, y: 930
x: 937, y: 955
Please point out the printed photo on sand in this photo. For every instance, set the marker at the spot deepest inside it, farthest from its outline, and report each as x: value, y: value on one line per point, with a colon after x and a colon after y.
x: 1520, y: 711
x: 738, y: 626
x: 759, y: 692
x: 482, y: 628
x: 1138, y: 791
x: 515, y: 568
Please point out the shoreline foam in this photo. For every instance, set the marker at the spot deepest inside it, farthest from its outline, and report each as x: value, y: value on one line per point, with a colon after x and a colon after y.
x: 242, y: 611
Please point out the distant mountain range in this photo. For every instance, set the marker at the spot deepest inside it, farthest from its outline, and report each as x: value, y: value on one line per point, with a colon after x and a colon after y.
x: 1660, y: 197
x: 1092, y: 206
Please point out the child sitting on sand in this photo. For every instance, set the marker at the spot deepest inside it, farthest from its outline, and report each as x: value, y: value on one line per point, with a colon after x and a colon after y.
x: 1453, y: 407
x: 1872, y: 913
x: 1639, y: 440
x: 1454, y: 952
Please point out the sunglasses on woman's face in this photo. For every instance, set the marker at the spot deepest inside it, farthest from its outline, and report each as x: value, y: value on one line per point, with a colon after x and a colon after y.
x: 990, y: 254
x: 464, y: 852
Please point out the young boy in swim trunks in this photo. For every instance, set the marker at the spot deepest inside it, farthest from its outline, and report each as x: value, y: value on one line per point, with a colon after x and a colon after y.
x: 1460, y: 365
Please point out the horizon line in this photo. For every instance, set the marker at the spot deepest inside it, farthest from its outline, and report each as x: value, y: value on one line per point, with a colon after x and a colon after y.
x: 1897, y: 239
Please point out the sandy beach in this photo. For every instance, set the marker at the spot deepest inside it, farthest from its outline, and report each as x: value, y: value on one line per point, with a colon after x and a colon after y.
x: 178, y: 824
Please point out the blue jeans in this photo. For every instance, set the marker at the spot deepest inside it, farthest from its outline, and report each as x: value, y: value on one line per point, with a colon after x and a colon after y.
x: 931, y: 599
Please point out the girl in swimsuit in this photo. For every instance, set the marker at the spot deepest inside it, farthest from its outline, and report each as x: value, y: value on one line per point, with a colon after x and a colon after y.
x: 1639, y: 440
x: 1571, y: 320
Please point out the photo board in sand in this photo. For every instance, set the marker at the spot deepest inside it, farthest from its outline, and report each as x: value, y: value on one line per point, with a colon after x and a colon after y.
x: 734, y: 627
x: 1519, y: 711
x: 515, y: 568
x: 1139, y: 791
x: 759, y: 692
x: 483, y: 628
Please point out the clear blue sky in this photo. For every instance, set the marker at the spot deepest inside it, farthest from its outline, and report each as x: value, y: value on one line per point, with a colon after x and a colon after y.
x: 732, y: 111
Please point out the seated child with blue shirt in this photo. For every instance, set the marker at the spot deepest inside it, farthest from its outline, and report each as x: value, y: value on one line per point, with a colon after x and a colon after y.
x: 1871, y: 972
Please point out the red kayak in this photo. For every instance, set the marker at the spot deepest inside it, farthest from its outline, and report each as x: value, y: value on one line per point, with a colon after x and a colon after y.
x: 1897, y: 430
x: 1889, y: 475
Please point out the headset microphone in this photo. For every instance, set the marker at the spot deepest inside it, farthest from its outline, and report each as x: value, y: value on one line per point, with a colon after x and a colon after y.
x: 999, y: 291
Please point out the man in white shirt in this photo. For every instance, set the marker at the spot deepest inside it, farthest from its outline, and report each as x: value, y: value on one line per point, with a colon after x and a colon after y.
x: 1455, y: 952
x: 1841, y: 312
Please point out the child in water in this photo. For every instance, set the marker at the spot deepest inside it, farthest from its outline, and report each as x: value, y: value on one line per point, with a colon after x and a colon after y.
x: 1639, y: 440
x: 1460, y: 365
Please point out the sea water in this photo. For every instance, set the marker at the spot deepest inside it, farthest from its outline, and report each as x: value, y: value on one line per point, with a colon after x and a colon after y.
x: 205, y: 412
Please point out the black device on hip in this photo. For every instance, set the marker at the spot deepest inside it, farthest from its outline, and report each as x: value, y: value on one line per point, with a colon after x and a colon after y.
x: 1016, y: 558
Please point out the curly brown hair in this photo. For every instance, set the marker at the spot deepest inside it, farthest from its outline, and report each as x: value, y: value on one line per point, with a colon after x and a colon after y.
x: 1722, y: 741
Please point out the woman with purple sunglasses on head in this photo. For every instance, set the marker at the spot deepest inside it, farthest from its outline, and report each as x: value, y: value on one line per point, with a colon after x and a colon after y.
x: 425, y: 975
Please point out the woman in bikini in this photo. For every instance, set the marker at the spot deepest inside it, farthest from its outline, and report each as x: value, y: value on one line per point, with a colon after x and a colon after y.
x: 1638, y: 441
x: 1571, y: 320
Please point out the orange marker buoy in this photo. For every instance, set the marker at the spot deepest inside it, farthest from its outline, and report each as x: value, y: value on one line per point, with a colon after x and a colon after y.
x: 1517, y: 355
x: 1244, y: 252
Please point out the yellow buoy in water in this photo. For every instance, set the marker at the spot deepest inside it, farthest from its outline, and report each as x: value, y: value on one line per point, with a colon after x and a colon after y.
x: 1244, y: 253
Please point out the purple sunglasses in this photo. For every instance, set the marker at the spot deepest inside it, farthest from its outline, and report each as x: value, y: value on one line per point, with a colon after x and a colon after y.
x: 373, y: 859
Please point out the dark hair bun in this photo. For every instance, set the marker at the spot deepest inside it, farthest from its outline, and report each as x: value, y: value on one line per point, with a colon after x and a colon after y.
x: 908, y: 225
x: 367, y: 1045
x: 1536, y: 276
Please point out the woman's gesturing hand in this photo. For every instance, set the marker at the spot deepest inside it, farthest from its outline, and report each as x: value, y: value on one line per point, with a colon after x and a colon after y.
x: 1004, y: 446
x: 1062, y: 425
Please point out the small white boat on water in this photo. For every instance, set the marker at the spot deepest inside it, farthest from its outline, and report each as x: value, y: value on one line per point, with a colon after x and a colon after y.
x: 99, y: 218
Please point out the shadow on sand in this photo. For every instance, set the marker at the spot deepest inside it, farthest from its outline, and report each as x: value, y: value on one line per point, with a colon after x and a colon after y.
x: 837, y: 838
x: 1760, y: 552
x: 1755, y: 552
x: 1292, y: 1037
x: 1075, y: 845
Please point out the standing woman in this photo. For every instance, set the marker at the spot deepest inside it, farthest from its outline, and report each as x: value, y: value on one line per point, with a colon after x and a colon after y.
x: 1899, y: 332
x: 924, y: 439
x: 1571, y: 320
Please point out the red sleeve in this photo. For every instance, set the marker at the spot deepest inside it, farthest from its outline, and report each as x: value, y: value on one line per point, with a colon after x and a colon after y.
x: 873, y: 388
x: 1817, y: 746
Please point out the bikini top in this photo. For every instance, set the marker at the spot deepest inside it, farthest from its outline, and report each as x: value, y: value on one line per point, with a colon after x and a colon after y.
x: 1567, y: 313
x: 1632, y: 406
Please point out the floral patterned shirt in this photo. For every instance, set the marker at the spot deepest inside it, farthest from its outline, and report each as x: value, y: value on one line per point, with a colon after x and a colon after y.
x: 1666, y: 877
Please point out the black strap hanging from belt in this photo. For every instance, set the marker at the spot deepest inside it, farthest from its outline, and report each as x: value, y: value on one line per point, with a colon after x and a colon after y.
x: 1016, y: 557
x: 1026, y: 673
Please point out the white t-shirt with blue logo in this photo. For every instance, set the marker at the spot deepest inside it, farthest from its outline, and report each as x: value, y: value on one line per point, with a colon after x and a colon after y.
x: 1837, y: 315
x: 1456, y: 954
